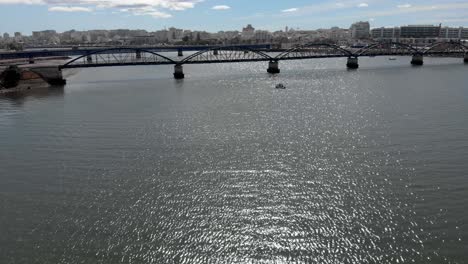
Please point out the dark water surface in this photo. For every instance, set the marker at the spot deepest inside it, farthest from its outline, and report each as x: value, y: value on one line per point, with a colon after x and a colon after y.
x: 127, y: 165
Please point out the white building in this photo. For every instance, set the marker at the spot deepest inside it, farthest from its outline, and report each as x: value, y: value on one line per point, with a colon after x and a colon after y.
x: 386, y: 33
x: 337, y: 33
x: 161, y: 35
x: 175, y: 34
x: 360, y: 30
x: 263, y: 36
x: 229, y: 35
x: 18, y: 37
x: 453, y: 33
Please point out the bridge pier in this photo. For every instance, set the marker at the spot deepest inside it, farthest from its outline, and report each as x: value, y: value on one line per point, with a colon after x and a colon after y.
x: 52, y: 75
x: 180, y: 53
x: 417, y: 60
x: 273, y: 67
x: 89, y: 58
x: 58, y: 79
x: 215, y: 52
x: 31, y: 60
x: 353, y: 63
x: 138, y: 54
x: 466, y: 58
x: 179, y: 72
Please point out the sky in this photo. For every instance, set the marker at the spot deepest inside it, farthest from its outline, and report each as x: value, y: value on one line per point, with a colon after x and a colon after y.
x: 26, y: 16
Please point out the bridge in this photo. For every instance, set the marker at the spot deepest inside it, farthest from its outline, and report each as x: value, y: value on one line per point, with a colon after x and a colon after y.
x: 61, y: 51
x: 130, y: 56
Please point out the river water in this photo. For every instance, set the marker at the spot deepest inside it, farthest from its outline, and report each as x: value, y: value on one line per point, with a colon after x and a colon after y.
x: 128, y: 165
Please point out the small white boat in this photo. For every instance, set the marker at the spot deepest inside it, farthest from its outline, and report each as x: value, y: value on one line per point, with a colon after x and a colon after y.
x: 280, y: 86
x: 392, y: 58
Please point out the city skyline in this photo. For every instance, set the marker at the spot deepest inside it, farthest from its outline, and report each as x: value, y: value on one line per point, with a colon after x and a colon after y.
x: 26, y: 16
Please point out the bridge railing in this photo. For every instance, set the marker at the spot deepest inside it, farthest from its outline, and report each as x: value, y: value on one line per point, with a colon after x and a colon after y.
x: 118, y: 56
x: 136, y: 56
x: 446, y: 48
x: 226, y: 54
x: 314, y: 50
x: 387, y: 48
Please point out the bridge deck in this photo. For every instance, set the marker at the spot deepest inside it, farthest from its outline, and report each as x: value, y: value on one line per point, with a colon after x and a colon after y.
x: 213, y: 61
x: 133, y: 56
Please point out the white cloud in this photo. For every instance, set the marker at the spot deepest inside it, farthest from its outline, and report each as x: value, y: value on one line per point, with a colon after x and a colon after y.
x: 221, y: 7
x: 326, y: 7
x: 145, y: 11
x: 421, y: 8
x: 137, y: 7
x: 158, y: 14
x: 290, y: 10
x: 69, y: 9
x: 404, y: 6
x: 27, y: 2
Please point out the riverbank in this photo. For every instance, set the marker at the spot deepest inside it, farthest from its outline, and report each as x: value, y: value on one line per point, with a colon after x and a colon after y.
x: 25, y: 86
x: 26, y: 61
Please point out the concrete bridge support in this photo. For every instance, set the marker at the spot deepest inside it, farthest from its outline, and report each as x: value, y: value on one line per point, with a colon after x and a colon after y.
x: 466, y: 58
x: 52, y: 75
x: 273, y: 67
x: 417, y: 60
x: 179, y: 72
x: 138, y: 54
x: 353, y: 63
x: 180, y: 53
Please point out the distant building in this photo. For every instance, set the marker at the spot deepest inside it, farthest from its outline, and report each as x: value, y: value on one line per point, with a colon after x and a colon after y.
x: 453, y: 33
x: 420, y: 31
x: 6, y: 36
x: 420, y: 34
x: 360, y: 30
x: 175, y: 34
x: 45, y: 37
x: 44, y: 34
x: 161, y: 35
x: 386, y: 33
x: 18, y: 37
x: 263, y: 36
x: 248, y: 32
x: 336, y: 33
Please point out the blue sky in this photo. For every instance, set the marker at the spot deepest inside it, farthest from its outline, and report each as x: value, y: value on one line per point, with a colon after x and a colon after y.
x: 213, y: 15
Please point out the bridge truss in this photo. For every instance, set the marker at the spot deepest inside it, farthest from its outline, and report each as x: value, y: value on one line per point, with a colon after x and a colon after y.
x: 314, y: 50
x: 227, y: 54
x: 118, y: 57
x: 387, y: 49
x: 447, y: 49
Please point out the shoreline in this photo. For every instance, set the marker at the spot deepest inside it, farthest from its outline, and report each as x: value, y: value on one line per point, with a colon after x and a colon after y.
x: 25, y: 86
x: 26, y: 61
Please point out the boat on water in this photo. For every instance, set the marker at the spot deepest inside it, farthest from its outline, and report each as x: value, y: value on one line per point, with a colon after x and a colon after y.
x: 392, y: 58
x: 280, y: 86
